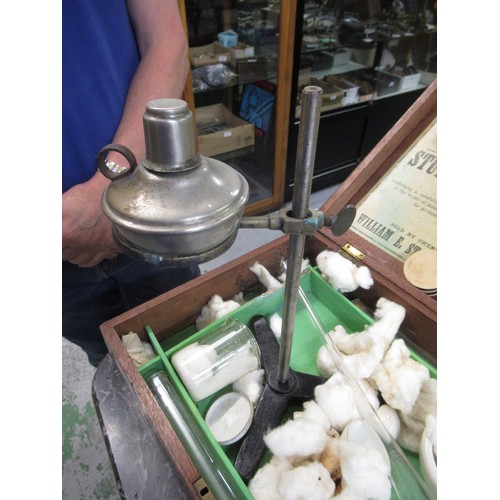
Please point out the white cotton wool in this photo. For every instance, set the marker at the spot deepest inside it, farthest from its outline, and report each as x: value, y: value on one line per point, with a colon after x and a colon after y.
x: 335, y: 397
x: 369, y: 392
x: 341, y: 273
x: 192, y: 362
x: 347, y: 494
x: 350, y: 343
x: 413, y: 423
x: 214, y: 310
x: 345, y: 403
x: 195, y: 366
x: 330, y: 458
x: 139, y: 350
x: 303, y: 267
x: 306, y: 482
x: 365, y: 471
x: 251, y: 385
x: 362, y: 351
x: 264, y: 485
x: 357, y: 366
x: 314, y: 413
x: 399, y: 378
x: 265, y: 277
x: 388, y: 318
x: 195, y: 358
x: 361, y: 365
x: 148, y: 350
x: 275, y: 323
x: 296, y: 438
x: 239, y: 298
x: 426, y: 403
x: 325, y: 363
x: 325, y: 359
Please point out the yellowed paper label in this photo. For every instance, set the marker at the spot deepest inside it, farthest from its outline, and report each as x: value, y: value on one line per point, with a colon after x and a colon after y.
x: 399, y: 215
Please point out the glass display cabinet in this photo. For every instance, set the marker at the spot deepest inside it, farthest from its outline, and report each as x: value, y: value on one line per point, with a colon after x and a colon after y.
x: 251, y: 58
x: 237, y: 86
x: 373, y: 59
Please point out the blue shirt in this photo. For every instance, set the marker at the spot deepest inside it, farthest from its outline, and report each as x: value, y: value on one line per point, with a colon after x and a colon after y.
x: 99, y: 59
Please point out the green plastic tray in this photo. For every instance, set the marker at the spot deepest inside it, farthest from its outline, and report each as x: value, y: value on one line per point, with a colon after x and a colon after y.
x: 333, y: 309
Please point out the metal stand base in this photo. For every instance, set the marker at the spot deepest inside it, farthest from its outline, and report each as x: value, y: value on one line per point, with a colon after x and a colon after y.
x: 276, y: 398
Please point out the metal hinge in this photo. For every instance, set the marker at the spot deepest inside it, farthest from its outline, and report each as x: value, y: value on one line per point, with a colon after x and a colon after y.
x: 353, y: 251
x: 203, y: 490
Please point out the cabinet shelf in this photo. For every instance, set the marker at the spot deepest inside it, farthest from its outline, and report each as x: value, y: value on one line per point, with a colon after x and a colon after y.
x: 236, y: 83
x: 334, y: 70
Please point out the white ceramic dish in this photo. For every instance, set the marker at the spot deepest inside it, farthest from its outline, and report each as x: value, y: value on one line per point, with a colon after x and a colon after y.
x: 229, y: 417
x: 427, y: 457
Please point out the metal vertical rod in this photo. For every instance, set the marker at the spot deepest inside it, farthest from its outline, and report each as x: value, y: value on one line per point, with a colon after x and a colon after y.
x: 304, y: 168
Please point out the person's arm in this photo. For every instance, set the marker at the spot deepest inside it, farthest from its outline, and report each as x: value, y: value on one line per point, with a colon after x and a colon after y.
x: 162, y: 72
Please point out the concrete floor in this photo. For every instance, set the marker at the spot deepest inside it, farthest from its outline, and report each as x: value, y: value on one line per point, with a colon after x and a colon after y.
x: 86, y: 469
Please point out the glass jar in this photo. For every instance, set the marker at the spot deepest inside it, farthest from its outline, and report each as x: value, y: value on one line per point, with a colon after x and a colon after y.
x: 218, y: 359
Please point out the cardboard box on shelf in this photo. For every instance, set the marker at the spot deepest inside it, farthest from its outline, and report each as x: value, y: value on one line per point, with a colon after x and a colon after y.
x: 209, y: 54
x: 350, y: 91
x: 409, y: 81
x: 392, y: 81
x: 387, y: 83
x: 228, y: 133
x: 367, y: 83
x: 239, y: 51
x: 251, y: 69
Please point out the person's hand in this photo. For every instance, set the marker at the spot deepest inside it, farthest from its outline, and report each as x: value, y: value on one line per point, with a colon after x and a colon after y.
x: 86, y: 232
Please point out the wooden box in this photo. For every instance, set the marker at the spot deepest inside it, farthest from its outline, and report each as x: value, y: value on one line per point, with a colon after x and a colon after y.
x: 178, y: 309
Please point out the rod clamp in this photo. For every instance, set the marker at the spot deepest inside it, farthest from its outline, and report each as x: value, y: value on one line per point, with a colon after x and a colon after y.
x: 309, y: 225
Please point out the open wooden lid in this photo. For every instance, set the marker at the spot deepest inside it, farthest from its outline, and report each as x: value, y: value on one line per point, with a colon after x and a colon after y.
x: 412, y: 141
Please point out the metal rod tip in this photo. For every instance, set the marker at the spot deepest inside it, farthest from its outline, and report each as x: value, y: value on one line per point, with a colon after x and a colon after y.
x: 312, y: 89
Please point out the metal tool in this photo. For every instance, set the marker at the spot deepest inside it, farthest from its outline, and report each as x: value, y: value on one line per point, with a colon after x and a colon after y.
x: 304, y: 167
